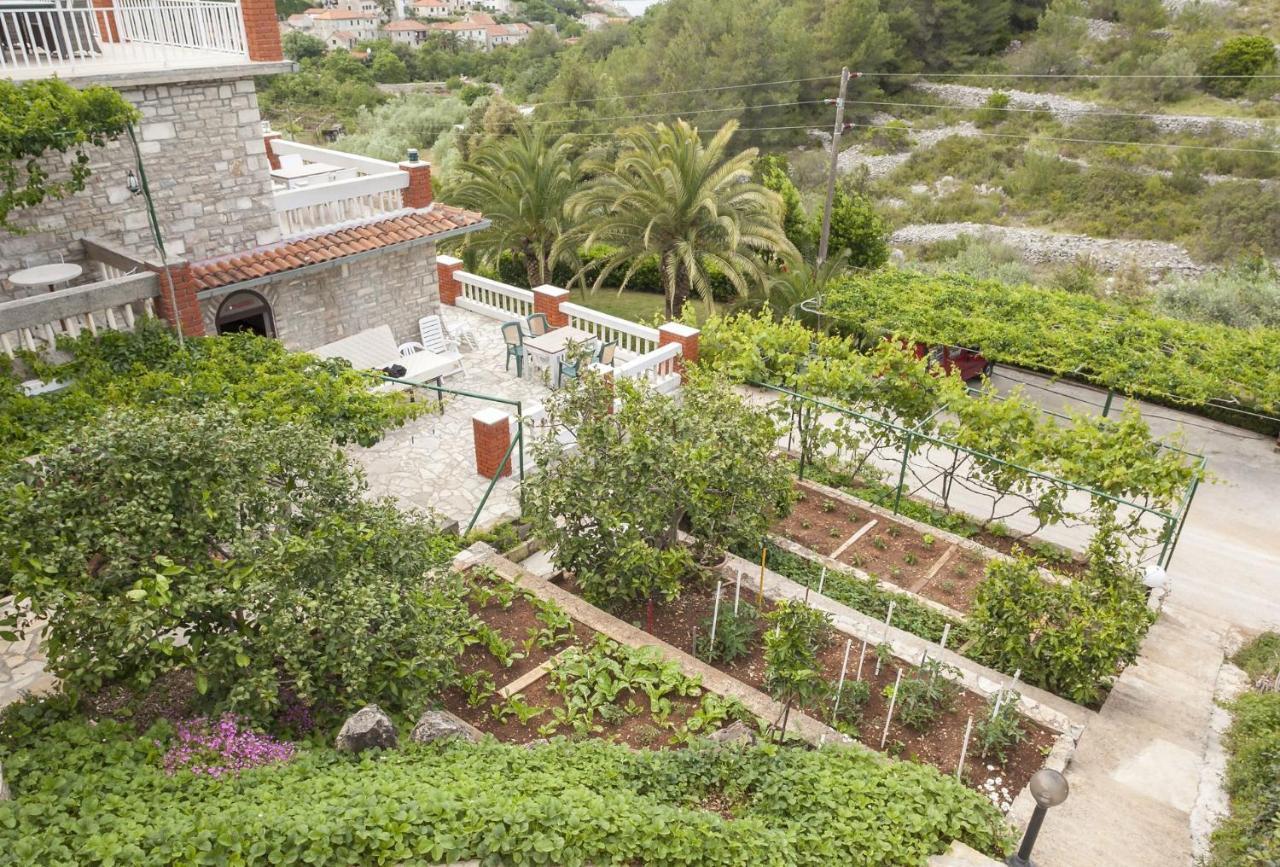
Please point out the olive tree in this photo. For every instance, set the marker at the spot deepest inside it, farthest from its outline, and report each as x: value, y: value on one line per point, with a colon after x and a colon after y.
x: 246, y: 554
x: 617, y: 485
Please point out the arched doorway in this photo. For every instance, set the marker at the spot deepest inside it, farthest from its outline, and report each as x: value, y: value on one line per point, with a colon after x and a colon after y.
x: 245, y: 311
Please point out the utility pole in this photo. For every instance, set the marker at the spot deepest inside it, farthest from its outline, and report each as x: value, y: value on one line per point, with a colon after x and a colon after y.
x: 835, y: 156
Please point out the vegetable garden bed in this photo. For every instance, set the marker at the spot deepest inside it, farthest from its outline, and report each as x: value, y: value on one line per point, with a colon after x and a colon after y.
x: 938, y: 743
x: 530, y: 672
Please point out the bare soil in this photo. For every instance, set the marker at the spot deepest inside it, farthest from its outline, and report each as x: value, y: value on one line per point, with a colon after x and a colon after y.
x: 939, y: 745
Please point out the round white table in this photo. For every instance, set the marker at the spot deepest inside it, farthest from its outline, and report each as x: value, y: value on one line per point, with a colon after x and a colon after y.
x: 46, y: 275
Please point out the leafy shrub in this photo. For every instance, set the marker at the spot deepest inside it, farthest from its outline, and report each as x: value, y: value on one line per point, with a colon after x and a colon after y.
x: 993, y: 110
x: 735, y: 634
x: 253, y: 543
x: 848, y: 701
x: 1000, y: 729
x: 1244, y: 296
x: 925, y: 694
x: 856, y: 227
x: 794, y: 635
x: 1248, y: 835
x: 572, y: 803
x: 257, y: 375
x: 1239, y: 56
x: 1071, y: 639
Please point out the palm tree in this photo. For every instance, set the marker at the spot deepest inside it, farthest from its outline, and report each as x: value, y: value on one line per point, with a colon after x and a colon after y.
x: 793, y: 283
x: 522, y: 185
x: 667, y: 193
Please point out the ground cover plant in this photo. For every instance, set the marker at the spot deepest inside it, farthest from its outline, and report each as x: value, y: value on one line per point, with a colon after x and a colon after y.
x: 569, y: 803
x: 1248, y: 836
x: 146, y: 367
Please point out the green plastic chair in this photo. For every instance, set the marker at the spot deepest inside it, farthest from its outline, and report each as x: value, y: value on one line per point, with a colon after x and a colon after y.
x: 514, y: 338
x: 568, y: 370
x: 537, y: 324
x: 607, y: 351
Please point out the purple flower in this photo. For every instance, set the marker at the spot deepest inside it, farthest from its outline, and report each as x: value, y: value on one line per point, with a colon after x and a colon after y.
x: 225, y: 746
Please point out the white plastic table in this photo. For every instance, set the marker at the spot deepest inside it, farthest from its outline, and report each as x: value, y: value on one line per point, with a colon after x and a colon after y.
x: 46, y: 275
x: 551, y: 347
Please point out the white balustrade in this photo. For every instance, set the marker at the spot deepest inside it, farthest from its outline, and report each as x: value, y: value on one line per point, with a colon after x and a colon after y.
x: 660, y: 366
x: 45, y: 37
x: 307, y: 209
x: 631, y: 337
x: 36, y: 322
x: 492, y: 298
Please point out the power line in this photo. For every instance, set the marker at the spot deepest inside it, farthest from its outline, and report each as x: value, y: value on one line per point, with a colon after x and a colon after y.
x: 1067, y: 140
x: 693, y: 90
x: 679, y: 113
x: 927, y: 75
x: 1065, y: 111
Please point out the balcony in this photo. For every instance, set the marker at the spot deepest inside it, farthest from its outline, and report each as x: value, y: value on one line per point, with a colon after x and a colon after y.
x: 317, y: 188
x: 91, y: 38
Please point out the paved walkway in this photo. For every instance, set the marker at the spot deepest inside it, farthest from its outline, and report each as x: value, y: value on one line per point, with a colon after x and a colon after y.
x: 429, y: 464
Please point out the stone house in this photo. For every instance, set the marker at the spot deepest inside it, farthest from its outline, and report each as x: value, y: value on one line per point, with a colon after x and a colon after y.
x: 327, y: 23
x: 407, y: 32
x: 289, y: 240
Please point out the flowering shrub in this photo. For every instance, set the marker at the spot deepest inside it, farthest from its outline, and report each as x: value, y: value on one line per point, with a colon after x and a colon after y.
x: 222, y: 747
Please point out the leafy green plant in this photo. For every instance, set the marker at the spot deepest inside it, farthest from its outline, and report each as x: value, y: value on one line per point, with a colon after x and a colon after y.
x: 794, y: 635
x: 1242, y: 57
x: 557, y: 627
x: 706, y: 464
x: 849, y: 701
x: 1260, y: 658
x: 925, y: 695
x: 576, y: 802
x: 46, y: 116
x: 910, y: 559
x: 515, y: 705
x: 254, y: 543
x: 1247, y: 835
x: 735, y: 634
x: 828, y: 506
x: 879, y: 543
x: 1000, y: 729
x: 928, y: 540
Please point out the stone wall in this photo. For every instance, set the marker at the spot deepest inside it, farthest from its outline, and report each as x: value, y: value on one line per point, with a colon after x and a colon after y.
x: 392, y: 287
x: 206, y: 163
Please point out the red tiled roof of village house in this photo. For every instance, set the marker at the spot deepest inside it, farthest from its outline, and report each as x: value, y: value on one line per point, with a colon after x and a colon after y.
x: 408, y: 25
x: 314, y: 249
x: 343, y: 15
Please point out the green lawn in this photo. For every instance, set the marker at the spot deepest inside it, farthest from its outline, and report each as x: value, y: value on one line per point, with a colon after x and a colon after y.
x: 643, y: 307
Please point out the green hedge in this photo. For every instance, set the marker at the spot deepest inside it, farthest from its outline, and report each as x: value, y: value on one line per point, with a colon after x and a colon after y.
x: 1126, y: 348
x: 1251, y: 834
x: 88, y: 795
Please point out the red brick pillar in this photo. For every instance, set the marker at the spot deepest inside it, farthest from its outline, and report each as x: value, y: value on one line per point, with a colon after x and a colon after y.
x: 674, y: 332
x: 261, y: 30
x: 418, y: 193
x: 267, y: 139
x: 492, y: 431
x: 547, y: 299
x: 450, y: 288
x: 186, y: 314
x: 107, y: 29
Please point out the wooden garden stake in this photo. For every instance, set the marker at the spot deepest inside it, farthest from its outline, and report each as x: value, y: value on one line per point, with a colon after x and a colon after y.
x: 764, y: 557
x: 844, y: 667
x: 946, y: 632
x: 737, y: 594
x: 715, y: 619
x: 694, y: 643
x: 822, y: 579
x: 861, y: 657
x: 893, y: 700
x: 964, y: 748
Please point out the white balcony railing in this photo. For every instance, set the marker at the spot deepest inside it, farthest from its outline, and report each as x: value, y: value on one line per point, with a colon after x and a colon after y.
x: 631, y: 337
x: 326, y: 187
x: 76, y: 37
x: 659, y: 366
x: 492, y: 298
x: 35, y: 323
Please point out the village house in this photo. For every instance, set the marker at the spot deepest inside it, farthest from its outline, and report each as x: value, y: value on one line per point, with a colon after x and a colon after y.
x: 353, y: 26
x: 481, y: 30
x: 407, y: 32
x: 293, y: 241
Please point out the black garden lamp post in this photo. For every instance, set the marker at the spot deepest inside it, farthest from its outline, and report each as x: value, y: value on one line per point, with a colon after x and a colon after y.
x: 1050, y: 789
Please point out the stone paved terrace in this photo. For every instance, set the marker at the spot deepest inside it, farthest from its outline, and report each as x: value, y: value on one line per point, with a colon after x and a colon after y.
x: 430, y: 462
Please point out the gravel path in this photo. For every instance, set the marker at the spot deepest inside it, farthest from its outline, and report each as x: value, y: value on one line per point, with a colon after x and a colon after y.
x: 1039, y: 246
x: 1068, y: 108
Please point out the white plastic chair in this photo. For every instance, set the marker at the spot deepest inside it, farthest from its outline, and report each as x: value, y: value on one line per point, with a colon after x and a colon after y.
x: 290, y: 161
x: 434, y: 339
x: 407, y: 349
x: 458, y: 332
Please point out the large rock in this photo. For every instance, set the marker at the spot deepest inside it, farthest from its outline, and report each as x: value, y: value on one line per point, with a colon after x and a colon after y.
x: 435, y: 725
x: 366, y: 729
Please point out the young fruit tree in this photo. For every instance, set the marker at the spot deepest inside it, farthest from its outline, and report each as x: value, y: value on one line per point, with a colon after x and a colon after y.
x: 612, y: 504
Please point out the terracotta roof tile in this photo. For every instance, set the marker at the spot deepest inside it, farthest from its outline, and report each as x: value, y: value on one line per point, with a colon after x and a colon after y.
x: 346, y: 241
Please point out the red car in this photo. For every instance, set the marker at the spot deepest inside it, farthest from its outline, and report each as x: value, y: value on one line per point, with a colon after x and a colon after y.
x: 969, y: 362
